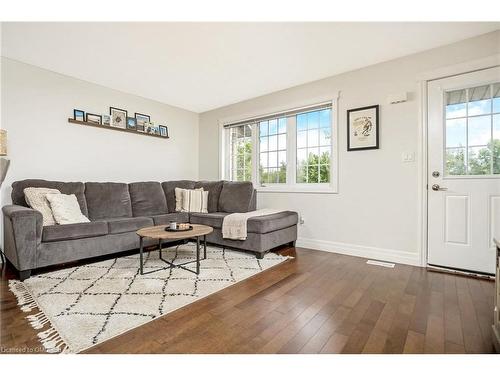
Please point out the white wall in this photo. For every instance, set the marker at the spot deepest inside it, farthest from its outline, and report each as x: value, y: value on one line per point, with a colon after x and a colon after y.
x: 42, y: 144
x: 375, y: 212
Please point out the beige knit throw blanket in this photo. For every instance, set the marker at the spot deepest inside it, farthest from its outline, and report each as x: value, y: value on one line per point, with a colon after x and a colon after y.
x: 234, y: 226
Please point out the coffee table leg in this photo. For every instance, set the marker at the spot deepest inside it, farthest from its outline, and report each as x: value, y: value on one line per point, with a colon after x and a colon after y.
x: 140, y: 254
x: 159, y: 247
x: 205, y: 246
x: 198, y: 255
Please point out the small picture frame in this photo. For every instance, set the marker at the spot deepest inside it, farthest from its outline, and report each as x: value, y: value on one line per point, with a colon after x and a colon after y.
x: 78, y: 115
x: 131, y: 123
x: 94, y: 119
x: 140, y: 128
x: 163, y: 131
x: 106, y: 120
x: 118, y: 117
x: 142, y: 119
x: 363, y: 128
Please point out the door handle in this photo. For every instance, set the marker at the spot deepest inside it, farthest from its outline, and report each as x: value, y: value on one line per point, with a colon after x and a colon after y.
x: 436, y: 187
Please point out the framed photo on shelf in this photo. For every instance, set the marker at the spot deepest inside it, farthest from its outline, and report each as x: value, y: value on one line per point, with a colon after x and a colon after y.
x: 142, y: 119
x: 363, y: 128
x: 131, y: 123
x: 140, y: 128
x: 94, y: 119
x: 163, y: 131
x: 118, y: 117
x: 106, y: 120
x: 78, y: 115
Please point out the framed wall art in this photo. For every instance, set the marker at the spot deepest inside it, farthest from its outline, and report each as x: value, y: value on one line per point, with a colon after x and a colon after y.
x: 118, y: 117
x: 94, y: 119
x: 363, y: 128
x: 78, y: 115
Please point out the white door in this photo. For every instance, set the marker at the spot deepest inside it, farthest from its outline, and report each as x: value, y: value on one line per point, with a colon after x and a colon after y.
x: 464, y: 170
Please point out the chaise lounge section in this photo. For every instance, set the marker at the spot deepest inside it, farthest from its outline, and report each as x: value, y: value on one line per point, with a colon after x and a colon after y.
x: 117, y: 210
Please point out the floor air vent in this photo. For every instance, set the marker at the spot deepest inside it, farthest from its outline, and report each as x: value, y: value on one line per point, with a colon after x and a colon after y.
x: 379, y: 263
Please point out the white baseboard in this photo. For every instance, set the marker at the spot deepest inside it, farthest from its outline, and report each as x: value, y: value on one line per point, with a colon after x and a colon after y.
x: 388, y: 255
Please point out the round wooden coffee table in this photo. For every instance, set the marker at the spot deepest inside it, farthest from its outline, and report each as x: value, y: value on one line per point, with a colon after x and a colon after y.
x: 158, y: 232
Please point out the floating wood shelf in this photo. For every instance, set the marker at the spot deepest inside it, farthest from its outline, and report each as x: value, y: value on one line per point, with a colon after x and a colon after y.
x: 113, y: 128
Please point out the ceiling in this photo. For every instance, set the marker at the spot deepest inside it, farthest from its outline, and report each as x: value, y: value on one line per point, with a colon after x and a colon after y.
x: 202, y: 66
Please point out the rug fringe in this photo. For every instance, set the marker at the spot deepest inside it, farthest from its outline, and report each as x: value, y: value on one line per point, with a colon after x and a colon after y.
x: 50, y: 338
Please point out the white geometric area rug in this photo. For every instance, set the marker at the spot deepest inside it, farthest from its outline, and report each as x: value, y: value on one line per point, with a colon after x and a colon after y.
x: 82, y: 306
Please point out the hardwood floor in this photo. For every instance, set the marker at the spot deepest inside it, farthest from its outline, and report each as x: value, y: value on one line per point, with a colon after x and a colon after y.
x: 318, y: 302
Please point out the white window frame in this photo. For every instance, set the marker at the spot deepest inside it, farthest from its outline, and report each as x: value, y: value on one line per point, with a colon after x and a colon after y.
x: 291, y: 185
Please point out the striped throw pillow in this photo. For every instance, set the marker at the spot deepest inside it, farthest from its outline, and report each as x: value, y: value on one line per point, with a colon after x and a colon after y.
x: 194, y: 201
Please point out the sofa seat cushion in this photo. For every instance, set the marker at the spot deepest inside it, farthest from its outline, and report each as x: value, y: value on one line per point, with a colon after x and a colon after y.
x: 273, y: 222
x: 212, y: 219
x: 128, y: 224
x: 258, y: 224
x: 66, y: 232
x: 147, y: 198
x: 180, y: 217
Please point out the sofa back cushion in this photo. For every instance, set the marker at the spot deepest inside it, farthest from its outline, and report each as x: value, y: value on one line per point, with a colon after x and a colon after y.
x: 147, y: 199
x: 236, y: 197
x: 76, y: 188
x: 214, y: 188
x: 169, y: 190
x: 107, y: 200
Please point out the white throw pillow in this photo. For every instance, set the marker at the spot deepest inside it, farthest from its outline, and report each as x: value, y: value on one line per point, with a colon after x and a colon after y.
x: 194, y: 200
x: 36, y: 199
x: 178, y: 198
x: 66, y: 209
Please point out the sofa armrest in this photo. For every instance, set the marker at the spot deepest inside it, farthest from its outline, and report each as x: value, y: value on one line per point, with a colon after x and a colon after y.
x: 22, y: 235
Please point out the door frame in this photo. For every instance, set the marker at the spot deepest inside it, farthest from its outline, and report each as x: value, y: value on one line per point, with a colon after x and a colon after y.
x: 422, y: 148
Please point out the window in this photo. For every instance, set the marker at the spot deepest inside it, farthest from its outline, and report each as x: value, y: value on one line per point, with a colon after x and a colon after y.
x: 290, y: 151
x: 272, y: 151
x: 472, y: 145
x: 241, y: 153
x: 314, y: 146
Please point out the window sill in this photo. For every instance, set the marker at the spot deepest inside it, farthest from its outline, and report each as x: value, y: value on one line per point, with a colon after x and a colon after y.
x: 296, y: 189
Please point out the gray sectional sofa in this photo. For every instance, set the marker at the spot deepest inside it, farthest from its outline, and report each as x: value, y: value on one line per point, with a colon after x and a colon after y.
x: 117, y: 210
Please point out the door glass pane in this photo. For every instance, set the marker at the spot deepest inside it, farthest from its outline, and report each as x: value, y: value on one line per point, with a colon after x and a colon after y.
x: 496, y: 98
x: 455, y: 161
x: 479, y: 101
x: 479, y: 130
x: 455, y: 104
x: 472, y: 134
x: 496, y: 144
x: 479, y: 160
x: 456, y: 133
